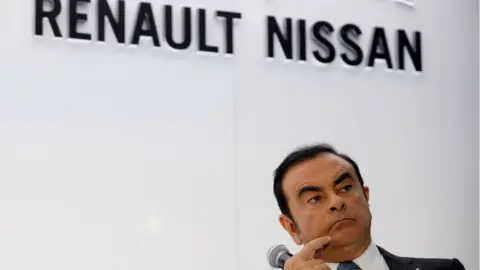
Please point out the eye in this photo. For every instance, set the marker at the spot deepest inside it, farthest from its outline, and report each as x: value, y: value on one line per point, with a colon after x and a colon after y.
x: 347, y: 188
x: 314, y: 199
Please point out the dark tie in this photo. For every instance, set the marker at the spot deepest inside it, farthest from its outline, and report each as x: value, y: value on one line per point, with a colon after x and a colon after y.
x: 348, y: 266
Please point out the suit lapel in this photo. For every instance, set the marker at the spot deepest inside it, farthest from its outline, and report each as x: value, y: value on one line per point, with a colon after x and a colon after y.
x: 395, y: 262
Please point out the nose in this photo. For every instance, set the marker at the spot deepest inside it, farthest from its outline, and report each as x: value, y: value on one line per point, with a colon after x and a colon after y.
x: 337, y: 203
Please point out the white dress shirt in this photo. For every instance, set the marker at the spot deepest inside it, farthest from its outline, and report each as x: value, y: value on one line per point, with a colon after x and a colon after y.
x: 369, y: 260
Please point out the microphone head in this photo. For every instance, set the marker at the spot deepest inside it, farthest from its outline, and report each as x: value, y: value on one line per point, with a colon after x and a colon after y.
x: 274, y: 253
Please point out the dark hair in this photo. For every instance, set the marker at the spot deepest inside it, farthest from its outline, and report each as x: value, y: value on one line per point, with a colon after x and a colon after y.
x: 296, y: 157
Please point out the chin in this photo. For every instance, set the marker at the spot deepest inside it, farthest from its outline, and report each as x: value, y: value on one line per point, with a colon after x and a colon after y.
x: 344, y: 237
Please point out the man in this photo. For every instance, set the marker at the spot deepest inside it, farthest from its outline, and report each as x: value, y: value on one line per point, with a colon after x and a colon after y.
x: 324, y: 206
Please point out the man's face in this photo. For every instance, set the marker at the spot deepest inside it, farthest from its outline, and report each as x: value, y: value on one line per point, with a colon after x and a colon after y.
x: 326, y: 198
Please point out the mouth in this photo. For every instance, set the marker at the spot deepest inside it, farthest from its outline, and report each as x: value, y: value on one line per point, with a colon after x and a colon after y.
x: 341, y: 222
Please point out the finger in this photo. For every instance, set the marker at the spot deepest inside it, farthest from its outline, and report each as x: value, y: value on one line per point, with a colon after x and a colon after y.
x: 313, y: 264
x: 322, y: 267
x: 293, y: 263
x: 311, y: 247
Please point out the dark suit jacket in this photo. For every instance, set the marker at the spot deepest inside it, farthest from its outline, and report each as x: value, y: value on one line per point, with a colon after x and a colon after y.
x: 406, y: 263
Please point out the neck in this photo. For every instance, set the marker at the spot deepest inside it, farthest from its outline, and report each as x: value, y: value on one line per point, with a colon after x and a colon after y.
x: 348, y: 252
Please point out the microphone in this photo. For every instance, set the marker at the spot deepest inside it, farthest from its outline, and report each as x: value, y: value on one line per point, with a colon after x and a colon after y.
x: 278, y: 255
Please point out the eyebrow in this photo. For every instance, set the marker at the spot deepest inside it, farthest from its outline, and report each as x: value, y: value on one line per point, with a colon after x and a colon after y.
x: 307, y: 189
x: 342, y: 177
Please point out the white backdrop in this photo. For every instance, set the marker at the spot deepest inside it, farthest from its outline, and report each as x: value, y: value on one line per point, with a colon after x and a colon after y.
x: 140, y: 158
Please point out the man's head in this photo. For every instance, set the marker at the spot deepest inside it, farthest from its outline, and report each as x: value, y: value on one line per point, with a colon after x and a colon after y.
x: 321, y: 192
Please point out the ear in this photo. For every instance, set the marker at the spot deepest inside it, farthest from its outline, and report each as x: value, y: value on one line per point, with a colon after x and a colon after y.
x: 291, y: 228
x: 366, y: 191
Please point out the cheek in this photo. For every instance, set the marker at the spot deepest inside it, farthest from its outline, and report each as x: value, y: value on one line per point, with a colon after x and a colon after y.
x: 315, y: 222
x: 360, y: 207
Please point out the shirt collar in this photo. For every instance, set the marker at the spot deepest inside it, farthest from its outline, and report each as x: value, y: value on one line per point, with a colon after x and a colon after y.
x: 366, y: 260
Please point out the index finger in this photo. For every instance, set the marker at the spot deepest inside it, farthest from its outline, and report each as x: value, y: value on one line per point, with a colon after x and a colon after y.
x: 308, y: 251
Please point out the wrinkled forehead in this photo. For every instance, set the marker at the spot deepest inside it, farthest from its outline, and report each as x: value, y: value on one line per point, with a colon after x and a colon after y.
x: 319, y: 171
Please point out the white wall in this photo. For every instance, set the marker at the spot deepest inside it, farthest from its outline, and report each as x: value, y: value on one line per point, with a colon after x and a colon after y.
x: 134, y: 158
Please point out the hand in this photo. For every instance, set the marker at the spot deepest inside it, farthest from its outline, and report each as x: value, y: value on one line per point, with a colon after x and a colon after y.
x: 303, y: 260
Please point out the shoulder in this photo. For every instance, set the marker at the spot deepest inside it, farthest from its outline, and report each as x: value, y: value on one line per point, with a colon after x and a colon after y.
x: 440, y: 263
x: 422, y: 263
